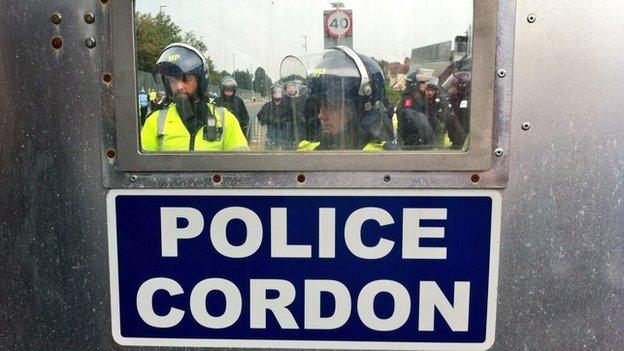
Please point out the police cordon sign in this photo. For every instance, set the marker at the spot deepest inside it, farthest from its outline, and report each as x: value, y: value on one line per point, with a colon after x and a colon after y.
x: 317, y: 269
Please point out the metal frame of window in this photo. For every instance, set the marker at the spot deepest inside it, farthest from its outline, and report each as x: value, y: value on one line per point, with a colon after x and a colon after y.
x: 490, y: 107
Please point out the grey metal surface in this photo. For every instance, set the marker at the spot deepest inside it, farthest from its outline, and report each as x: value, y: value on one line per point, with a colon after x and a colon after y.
x: 561, y: 283
x: 561, y: 279
x: 53, y: 264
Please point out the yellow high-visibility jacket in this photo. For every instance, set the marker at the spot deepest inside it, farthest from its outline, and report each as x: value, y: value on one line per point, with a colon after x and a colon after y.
x: 306, y: 145
x: 165, y: 131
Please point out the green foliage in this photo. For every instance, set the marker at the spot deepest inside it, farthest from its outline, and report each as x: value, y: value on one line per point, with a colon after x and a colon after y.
x: 261, y: 82
x: 243, y: 79
x: 392, y: 95
x: 154, y: 33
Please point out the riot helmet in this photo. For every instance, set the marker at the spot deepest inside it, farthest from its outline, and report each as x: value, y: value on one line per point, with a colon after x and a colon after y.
x: 344, y: 75
x: 432, y: 83
x: 432, y: 88
x: 179, y: 60
x: 354, y: 83
x: 277, y: 92
x: 293, y: 87
x: 458, y: 83
x: 228, y: 83
x: 417, y: 77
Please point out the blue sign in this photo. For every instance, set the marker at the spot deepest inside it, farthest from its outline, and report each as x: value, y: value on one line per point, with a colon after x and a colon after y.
x: 340, y: 269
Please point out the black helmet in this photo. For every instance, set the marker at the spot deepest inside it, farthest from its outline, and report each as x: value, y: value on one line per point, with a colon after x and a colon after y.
x: 459, y: 80
x: 277, y: 92
x: 228, y: 82
x: 416, y: 77
x: 179, y: 59
x: 343, y: 74
x: 432, y: 83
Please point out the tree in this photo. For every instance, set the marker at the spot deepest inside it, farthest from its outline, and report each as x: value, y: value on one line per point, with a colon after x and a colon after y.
x: 154, y: 33
x: 189, y: 38
x: 261, y: 82
x: 243, y: 79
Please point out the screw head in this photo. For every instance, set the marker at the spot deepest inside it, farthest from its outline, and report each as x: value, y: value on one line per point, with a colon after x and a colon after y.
x: 526, y: 126
x: 475, y: 178
x: 57, y: 42
x: 133, y: 178
x: 499, y: 152
x: 387, y: 178
x: 216, y: 178
x: 301, y: 178
x: 56, y: 18
x: 501, y: 73
x: 531, y: 18
x: 89, y: 17
x: 90, y: 43
x: 110, y: 153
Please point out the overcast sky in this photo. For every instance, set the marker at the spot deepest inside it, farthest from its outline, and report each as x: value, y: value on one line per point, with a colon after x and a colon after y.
x: 252, y: 33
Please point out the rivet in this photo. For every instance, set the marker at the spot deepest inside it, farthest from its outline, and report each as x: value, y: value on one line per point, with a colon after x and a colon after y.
x: 90, y: 43
x: 56, y: 18
x: 133, y: 178
x: 107, y: 77
x: 499, y: 152
x: 110, y: 153
x: 526, y: 126
x: 89, y: 17
x: 387, y: 178
x: 501, y: 73
x: 301, y: 178
x: 531, y: 18
x: 57, y: 42
x: 475, y: 178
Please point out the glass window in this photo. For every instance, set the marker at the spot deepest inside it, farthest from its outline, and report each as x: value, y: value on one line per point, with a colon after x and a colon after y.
x: 303, y: 76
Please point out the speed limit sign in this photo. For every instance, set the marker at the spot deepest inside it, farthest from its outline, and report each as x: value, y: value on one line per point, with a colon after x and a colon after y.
x: 339, y: 23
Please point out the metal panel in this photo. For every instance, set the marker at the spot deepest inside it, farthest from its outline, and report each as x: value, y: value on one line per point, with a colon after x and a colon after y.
x: 561, y: 281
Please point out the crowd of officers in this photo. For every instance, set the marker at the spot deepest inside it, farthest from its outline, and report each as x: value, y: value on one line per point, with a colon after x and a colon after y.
x: 341, y: 106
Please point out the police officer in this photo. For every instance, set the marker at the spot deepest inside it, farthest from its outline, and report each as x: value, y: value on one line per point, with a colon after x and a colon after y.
x: 143, y: 104
x: 189, y: 122
x: 305, y: 123
x: 437, y: 112
x: 276, y: 115
x: 457, y: 88
x: 348, y: 90
x: 235, y: 104
x: 409, y: 125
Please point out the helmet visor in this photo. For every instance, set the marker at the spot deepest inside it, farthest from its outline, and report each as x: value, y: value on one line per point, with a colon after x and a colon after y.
x: 177, y: 61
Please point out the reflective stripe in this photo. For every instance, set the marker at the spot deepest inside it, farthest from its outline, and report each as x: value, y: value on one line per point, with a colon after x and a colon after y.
x: 220, y: 114
x: 160, y: 122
